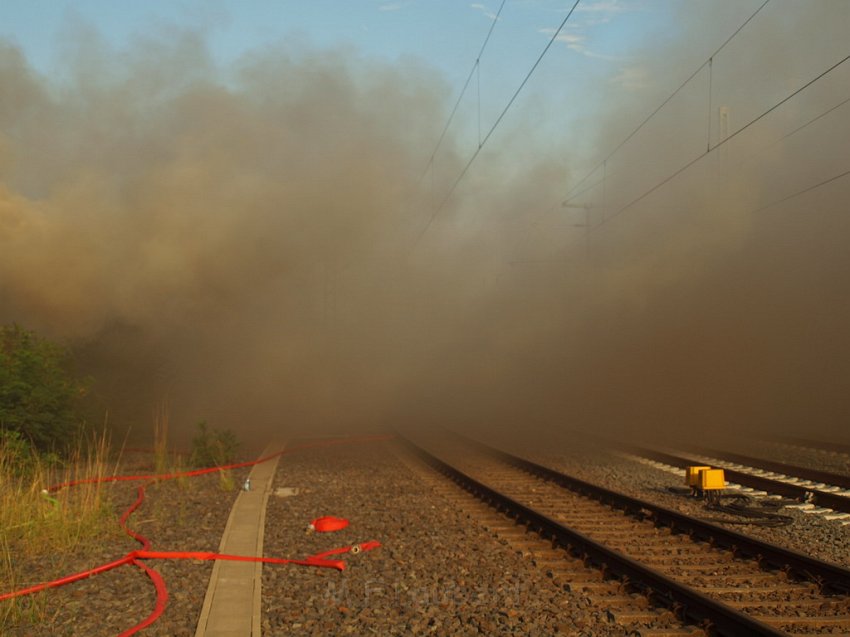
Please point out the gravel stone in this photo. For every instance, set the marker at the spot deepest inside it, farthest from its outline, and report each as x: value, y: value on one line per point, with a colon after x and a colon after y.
x: 812, y: 535
x: 438, y: 572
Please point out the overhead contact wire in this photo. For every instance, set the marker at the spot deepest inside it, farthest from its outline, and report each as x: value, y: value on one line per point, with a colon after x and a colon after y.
x: 463, y: 91
x: 572, y: 194
x: 798, y: 193
x: 722, y: 142
x: 710, y: 82
x: 815, y: 119
x: 497, y: 122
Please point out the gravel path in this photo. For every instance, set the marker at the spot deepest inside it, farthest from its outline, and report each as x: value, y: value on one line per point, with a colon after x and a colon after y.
x: 438, y: 571
x: 176, y: 515
x: 809, y: 534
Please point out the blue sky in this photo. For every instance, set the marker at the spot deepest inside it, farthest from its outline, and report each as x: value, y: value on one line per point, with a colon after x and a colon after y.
x: 596, y: 47
x: 445, y: 33
x: 599, y: 60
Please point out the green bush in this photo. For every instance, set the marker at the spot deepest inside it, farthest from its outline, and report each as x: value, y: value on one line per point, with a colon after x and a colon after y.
x: 38, y: 392
x: 213, y: 448
x: 19, y: 458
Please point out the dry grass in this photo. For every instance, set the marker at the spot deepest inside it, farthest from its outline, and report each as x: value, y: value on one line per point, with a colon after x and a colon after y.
x: 35, y: 524
x: 225, y: 481
x: 160, y: 438
x: 166, y: 460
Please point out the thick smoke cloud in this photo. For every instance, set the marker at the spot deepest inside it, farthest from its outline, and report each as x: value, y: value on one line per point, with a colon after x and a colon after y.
x: 249, y: 249
x: 190, y: 235
x: 699, y: 311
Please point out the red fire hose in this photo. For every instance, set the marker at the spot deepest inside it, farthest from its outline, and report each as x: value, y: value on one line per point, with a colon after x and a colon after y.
x: 238, y: 465
x: 136, y: 557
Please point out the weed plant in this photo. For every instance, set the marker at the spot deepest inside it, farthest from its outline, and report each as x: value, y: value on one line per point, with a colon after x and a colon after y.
x: 212, y: 447
x: 160, y: 439
x: 226, y: 481
x: 166, y: 460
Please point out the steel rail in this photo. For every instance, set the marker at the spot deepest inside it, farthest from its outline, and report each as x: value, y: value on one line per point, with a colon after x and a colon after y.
x: 792, y: 471
x: 830, y: 577
x: 692, y: 605
x: 798, y: 492
x: 820, y: 445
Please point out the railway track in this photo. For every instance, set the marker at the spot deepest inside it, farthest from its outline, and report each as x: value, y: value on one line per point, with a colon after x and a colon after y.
x: 815, y: 478
x: 820, y: 491
x: 725, y: 581
x: 835, y: 448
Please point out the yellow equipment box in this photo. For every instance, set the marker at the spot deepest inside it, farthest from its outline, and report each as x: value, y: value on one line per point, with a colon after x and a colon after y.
x: 692, y: 475
x: 711, y: 479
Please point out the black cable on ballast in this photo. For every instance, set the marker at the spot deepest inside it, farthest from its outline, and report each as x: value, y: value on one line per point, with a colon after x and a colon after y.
x: 743, y: 506
x: 497, y: 122
x: 571, y: 194
x: 765, y: 513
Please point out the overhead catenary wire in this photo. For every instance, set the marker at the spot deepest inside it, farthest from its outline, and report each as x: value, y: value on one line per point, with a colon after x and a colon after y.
x: 571, y: 194
x: 759, y: 152
x: 803, y: 191
x: 497, y: 122
x: 815, y: 119
x: 802, y: 126
x: 478, y: 83
x: 710, y: 82
x: 711, y: 149
x: 475, y: 69
x: 770, y: 204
